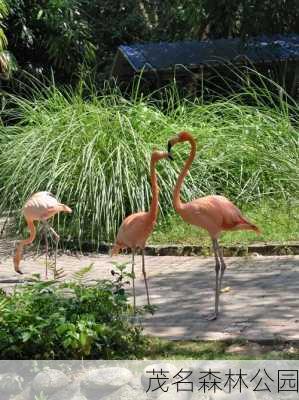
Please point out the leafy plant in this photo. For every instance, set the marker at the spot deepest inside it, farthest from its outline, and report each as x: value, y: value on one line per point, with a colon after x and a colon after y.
x: 121, y: 277
x: 3, y: 14
x: 50, y: 36
x: 7, y: 60
x: 52, y: 320
x: 61, y: 37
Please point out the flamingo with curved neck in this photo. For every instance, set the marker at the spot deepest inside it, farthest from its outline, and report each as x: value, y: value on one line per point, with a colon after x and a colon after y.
x: 136, y: 228
x: 39, y: 207
x: 213, y: 213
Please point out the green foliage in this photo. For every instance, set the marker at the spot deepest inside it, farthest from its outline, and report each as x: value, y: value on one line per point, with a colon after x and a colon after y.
x: 62, y: 35
x: 7, y: 61
x: 94, y: 155
x: 3, y: 14
x: 51, y: 320
x: 222, y: 18
x: 50, y: 36
x: 83, y: 274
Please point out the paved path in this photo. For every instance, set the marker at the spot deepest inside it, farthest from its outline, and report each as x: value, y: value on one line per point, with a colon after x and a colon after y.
x: 263, y: 302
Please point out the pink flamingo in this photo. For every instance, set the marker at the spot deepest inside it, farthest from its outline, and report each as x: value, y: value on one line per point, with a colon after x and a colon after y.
x: 136, y: 228
x: 40, y: 207
x: 213, y: 213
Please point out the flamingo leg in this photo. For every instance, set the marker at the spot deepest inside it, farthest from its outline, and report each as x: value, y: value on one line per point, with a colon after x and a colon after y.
x: 217, y: 281
x: 222, y: 267
x: 55, y: 257
x: 47, y: 246
x: 145, y: 278
x: 217, y: 269
x: 133, y: 280
x: 55, y: 234
x: 56, y: 237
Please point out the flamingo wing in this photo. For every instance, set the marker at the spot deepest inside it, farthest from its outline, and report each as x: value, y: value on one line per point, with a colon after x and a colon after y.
x: 215, y: 214
x: 134, y: 230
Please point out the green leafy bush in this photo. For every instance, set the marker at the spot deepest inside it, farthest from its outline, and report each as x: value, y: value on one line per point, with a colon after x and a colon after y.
x: 50, y: 36
x: 51, y: 320
x: 7, y: 61
x: 3, y: 13
x: 60, y: 35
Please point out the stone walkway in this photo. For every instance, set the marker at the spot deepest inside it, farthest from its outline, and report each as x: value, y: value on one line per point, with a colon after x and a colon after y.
x: 263, y: 303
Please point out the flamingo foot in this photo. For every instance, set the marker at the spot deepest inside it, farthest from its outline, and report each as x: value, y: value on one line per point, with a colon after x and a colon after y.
x: 16, y: 263
x: 20, y: 272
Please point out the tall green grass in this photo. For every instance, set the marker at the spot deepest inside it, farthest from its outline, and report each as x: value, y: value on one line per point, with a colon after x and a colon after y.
x: 94, y: 154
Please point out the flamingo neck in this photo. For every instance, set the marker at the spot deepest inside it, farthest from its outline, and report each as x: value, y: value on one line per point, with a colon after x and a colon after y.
x: 177, y: 204
x: 153, y: 212
x: 22, y: 243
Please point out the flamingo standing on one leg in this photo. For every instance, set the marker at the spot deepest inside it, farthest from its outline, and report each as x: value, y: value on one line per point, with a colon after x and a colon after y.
x: 136, y: 228
x: 40, y: 207
x: 212, y: 213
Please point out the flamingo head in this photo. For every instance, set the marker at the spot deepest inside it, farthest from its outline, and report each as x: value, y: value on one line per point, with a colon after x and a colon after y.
x: 183, y: 136
x: 159, y: 155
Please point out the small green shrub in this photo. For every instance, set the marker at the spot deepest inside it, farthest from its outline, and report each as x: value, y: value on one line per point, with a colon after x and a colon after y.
x: 52, y: 320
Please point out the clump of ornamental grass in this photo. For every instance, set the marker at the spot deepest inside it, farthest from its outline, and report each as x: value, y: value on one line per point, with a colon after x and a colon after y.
x: 94, y: 154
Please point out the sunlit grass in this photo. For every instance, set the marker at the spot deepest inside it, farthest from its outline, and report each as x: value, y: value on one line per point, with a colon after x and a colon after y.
x: 159, y: 349
x: 279, y: 222
x: 94, y: 155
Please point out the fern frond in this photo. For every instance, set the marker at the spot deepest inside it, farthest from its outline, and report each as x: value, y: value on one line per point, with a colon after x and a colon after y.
x: 58, y: 273
x: 82, y: 275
